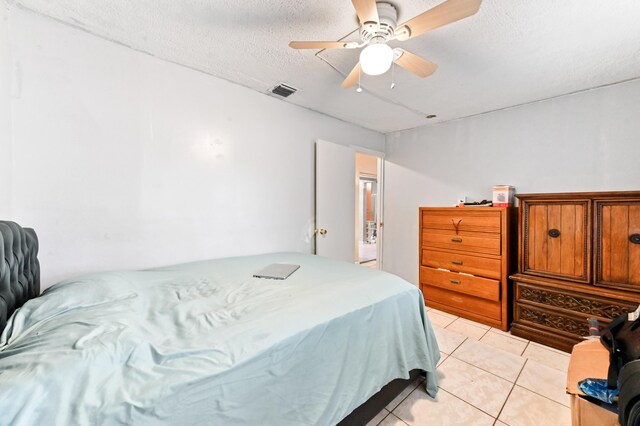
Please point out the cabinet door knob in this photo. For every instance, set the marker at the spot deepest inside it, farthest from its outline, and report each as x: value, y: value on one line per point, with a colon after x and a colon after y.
x: 454, y: 281
x: 457, y: 262
x: 554, y: 233
x: 456, y: 240
x: 634, y: 238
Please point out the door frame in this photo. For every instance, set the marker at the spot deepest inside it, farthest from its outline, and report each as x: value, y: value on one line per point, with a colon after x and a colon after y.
x: 379, y: 200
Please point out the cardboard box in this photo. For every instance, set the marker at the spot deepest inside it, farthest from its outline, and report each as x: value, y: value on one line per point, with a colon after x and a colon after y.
x: 503, y: 196
x: 589, y: 359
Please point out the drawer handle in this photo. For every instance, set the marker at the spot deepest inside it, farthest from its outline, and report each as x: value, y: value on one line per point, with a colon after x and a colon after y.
x: 457, y: 262
x: 554, y: 233
x: 634, y: 238
x: 456, y: 225
x: 456, y: 240
x: 454, y: 281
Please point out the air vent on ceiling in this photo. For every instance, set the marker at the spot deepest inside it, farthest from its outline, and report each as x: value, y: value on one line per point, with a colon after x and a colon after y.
x: 283, y: 90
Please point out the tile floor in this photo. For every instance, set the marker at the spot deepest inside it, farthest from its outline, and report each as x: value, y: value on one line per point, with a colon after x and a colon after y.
x: 486, y: 377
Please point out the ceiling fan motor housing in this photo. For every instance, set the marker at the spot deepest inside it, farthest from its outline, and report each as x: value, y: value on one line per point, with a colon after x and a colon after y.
x: 388, y: 21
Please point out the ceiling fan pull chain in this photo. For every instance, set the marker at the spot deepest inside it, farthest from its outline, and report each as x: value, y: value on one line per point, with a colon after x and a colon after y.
x: 393, y: 79
x: 359, y: 89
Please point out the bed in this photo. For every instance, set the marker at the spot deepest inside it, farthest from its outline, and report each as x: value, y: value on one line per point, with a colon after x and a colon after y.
x: 205, y: 342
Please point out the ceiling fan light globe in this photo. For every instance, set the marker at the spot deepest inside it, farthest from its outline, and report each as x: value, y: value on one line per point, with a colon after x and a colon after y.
x: 376, y: 59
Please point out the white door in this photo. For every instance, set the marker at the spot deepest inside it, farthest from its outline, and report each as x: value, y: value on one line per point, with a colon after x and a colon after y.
x: 335, y: 195
x: 380, y: 210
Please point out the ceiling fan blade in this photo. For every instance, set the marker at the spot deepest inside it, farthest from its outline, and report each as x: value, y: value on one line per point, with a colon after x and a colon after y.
x: 353, y: 77
x: 443, y: 14
x: 417, y: 65
x: 367, y: 11
x: 318, y: 44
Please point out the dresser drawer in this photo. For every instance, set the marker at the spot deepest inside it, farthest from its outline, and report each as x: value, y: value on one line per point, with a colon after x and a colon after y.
x: 586, y: 305
x: 464, y: 219
x: 464, y: 302
x: 551, y: 321
x: 468, y: 284
x: 473, y: 242
x: 482, y: 266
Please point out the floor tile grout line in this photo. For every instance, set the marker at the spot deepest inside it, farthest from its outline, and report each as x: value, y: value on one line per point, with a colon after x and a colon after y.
x: 403, y: 422
x: 388, y: 414
x: 475, y: 323
x: 446, y: 357
x: 529, y: 390
x: 514, y: 383
x: 505, y: 402
x: 492, y: 346
x: 511, y: 391
x: 413, y: 390
x: 463, y: 322
x: 394, y: 408
x: 509, y: 353
x: 537, y: 393
x: 468, y: 403
x: 485, y: 333
x: 545, y: 397
x: 507, y: 337
x: 461, y: 343
x: 550, y: 349
x: 486, y: 371
x: 496, y: 422
x: 490, y: 372
x: 564, y: 370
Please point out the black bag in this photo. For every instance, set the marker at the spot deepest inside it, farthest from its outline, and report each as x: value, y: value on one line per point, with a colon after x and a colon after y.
x: 622, y: 339
x: 629, y: 399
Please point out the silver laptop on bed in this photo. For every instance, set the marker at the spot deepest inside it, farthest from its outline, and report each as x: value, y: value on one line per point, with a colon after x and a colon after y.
x: 277, y: 271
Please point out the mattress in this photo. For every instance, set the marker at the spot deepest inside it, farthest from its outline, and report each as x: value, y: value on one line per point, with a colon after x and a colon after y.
x: 208, y: 343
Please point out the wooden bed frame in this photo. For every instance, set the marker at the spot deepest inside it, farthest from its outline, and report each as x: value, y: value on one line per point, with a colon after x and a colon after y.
x: 20, y: 281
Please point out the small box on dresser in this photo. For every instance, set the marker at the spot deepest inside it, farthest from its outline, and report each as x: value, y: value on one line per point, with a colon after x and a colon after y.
x: 465, y: 261
x: 578, y: 257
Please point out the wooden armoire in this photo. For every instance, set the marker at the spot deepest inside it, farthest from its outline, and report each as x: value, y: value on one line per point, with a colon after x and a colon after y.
x: 578, y: 258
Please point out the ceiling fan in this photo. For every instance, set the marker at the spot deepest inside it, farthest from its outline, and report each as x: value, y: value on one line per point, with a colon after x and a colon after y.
x: 378, y: 26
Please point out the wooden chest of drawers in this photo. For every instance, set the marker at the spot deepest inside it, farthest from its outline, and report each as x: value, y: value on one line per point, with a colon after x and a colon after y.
x: 465, y: 261
x: 579, y: 257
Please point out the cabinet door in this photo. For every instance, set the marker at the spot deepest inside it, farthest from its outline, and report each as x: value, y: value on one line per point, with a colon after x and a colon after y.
x: 618, y: 244
x: 556, y: 239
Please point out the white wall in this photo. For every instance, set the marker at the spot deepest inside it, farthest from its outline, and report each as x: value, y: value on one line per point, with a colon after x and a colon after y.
x: 583, y: 142
x: 121, y: 160
x: 5, y: 115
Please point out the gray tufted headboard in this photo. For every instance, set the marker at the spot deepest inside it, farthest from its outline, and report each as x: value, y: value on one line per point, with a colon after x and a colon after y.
x: 19, y: 268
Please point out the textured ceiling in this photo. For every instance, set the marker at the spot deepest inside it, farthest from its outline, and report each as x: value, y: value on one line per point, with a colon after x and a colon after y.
x: 511, y: 52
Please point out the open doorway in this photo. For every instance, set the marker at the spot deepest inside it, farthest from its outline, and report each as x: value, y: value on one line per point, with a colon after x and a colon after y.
x: 368, y: 206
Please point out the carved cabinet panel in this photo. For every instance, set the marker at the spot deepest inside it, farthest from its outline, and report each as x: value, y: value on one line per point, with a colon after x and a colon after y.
x: 556, y: 237
x: 618, y: 244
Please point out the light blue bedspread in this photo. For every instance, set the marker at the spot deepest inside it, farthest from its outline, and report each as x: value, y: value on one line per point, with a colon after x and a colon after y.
x: 206, y: 343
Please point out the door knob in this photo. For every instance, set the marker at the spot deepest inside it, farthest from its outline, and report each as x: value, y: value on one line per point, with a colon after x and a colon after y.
x: 321, y: 231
